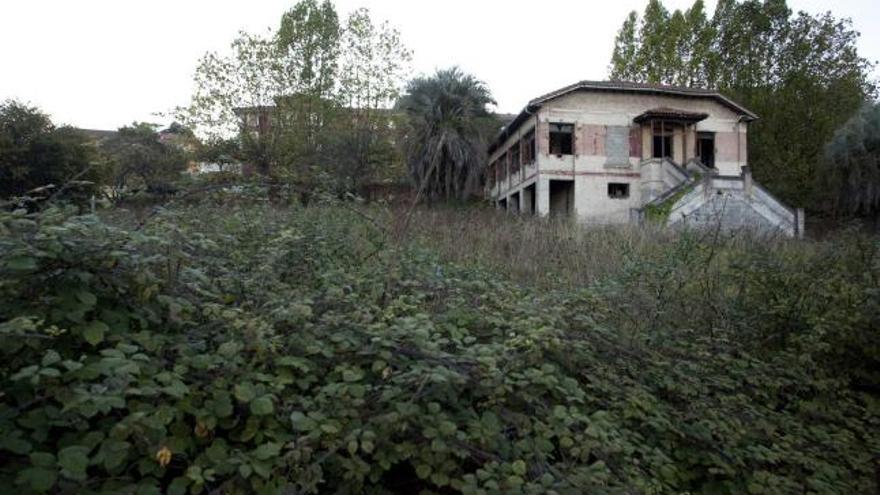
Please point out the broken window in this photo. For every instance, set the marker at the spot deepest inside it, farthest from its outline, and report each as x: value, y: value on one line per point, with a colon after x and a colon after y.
x: 528, y: 148
x: 514, y: 158
x: 618, y: 190
x: 635, y: 142
x: 662, y: 139
x: 561, y: 139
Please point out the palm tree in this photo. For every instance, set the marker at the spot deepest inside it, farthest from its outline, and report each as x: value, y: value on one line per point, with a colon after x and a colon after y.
x: 446, y: 134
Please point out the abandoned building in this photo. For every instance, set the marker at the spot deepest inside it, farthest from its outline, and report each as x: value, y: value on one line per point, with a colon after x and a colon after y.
x: 617, y: 152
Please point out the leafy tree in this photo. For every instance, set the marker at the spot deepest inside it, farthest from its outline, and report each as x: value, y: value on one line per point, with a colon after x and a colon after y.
x: 309, y: 34
x: 446, y: 138
x: 311, y: 90
x: 851, y: 172
x: 653, y: 56
x: 770, y: 60
x: 373, y: 65
x: 308, y: 44
x: 696, y: 46
x: 243, y: 85
x: 34, y: 153
x: 140, y: 160
x: 222, y: 152
x: 623, y: 59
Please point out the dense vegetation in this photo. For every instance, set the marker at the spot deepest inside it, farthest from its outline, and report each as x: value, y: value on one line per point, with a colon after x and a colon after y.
x: 39, y: 160
x: 314, y: 95
x: 224, y: 345
x: 852, y: 163
x: 772, y: 60
x: 261, y: 335
x: 35, y: 153
x: 448, y: 131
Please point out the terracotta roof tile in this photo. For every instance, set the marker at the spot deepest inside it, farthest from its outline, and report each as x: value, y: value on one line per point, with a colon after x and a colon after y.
x: 624, y: 86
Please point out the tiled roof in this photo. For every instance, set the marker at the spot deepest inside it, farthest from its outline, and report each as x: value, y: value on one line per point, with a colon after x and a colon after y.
x: 621, y: 86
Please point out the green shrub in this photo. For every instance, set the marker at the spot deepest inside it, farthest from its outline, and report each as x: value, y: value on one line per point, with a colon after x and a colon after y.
x: 246, y: 349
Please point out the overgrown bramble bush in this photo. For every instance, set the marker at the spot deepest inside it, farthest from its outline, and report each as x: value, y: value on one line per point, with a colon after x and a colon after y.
x: 248, y: 349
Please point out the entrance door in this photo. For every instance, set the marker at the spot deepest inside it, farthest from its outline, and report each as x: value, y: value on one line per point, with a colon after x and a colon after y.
x: 561, y: 198
x: 706, y: 148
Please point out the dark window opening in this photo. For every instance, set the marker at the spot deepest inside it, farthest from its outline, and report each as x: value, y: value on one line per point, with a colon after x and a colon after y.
x: 662, y: 146
x: 514, y: 158
x: 662, y: 140
x: 561, y: 139
x: 263, y: 122
x: 617, y: 190
x: 528, y: 148
x: 706, y: 148
x: 529, y: 200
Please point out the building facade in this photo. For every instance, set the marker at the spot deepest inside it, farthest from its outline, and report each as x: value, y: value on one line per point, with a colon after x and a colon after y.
x: 614, y: 152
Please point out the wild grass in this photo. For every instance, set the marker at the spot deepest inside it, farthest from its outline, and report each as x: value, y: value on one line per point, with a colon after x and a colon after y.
x: 560, y: 253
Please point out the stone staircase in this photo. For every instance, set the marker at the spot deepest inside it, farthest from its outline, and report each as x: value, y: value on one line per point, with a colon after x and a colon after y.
x: 696, y: 196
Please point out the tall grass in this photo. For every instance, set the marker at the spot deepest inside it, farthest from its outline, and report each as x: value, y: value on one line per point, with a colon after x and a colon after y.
x: 560, y: 253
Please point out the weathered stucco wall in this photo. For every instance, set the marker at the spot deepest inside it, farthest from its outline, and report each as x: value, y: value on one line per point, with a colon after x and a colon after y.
x: 619, y: 109
x: 609, y: 148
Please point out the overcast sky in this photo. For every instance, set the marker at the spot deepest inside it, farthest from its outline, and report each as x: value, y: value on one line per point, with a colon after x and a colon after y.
x: 105, y: 63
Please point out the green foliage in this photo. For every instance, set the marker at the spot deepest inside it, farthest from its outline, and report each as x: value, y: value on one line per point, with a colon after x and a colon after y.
x: 446, y: 133
x: 309, y: 101
x: 140, y: 160
x: 243, y: 349
x: 770, y: 60
x: 659, y: 213
x: 310, y: 33
x: 34, y: 154
x: 851, y: 171
x: 226, y: 153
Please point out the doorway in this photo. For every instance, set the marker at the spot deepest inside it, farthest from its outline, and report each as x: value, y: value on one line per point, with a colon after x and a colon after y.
x: 561, y: 198
x: 529, y: 200
x: 706, y: 148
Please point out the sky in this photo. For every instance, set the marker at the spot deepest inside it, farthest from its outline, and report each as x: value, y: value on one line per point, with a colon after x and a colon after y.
x: 102, y: 64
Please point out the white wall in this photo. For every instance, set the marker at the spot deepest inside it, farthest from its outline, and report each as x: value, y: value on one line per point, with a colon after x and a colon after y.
x: 590, y: 112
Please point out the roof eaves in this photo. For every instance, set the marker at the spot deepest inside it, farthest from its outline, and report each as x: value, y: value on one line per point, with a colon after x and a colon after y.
x: 536, y: 103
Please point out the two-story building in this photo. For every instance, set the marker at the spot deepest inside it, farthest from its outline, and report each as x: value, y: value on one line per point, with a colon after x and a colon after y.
x: 616, y: 152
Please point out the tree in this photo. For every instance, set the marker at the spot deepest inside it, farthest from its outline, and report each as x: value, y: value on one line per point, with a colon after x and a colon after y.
x: 623, y: 59
x: 34, y: 153
x: 764, y: 57
x: 851, y: 171
x: 140, y: 160
x: 225, y: 153
x: 313, y: 89
x: 372, y: 68
x: 231, y: 88
x: 308, y: 46
x: 697, y: 46
x: 445, y: 139
x: 652, y: 55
